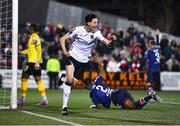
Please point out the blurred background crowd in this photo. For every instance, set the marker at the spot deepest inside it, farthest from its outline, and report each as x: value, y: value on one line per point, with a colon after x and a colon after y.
x: 125, y: 54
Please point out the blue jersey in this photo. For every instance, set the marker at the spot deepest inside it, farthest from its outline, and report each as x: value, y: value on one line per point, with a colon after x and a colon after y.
x: 153, y: 57
x: 100, y: 93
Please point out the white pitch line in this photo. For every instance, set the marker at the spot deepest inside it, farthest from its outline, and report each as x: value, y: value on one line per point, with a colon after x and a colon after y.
x: 52, y: 118
x: 168, y: 102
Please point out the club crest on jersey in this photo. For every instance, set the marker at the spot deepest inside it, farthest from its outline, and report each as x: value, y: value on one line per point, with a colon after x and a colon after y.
x: 92, y: 36
x: 34, y: 41
x: 92, y: 42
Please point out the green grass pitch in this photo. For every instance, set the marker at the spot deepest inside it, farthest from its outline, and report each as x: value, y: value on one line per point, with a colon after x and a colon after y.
x: 79, y: 112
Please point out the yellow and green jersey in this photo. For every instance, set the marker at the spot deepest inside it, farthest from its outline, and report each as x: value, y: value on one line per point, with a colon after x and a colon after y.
x: 34, y: 50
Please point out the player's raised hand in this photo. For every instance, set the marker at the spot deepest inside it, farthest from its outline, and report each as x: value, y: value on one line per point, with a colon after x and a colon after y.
x: 19, y: 52
x: 92, y: 106
x: 37, y: 65
x: 113, y: 38
x: 110, y: 39
x: 157, y: 32
x: 67, y: 54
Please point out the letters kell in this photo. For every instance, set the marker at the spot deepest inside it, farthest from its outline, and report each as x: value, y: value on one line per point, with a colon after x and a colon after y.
x: 133, y: 80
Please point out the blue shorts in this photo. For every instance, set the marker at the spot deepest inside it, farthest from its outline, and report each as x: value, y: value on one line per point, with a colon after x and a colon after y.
x: 118, y: 97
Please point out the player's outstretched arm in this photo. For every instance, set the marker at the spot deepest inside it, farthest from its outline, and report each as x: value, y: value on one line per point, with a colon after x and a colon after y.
x: 108, y: 42
x: 157, y: 32
x: 24, y: 51
x: 62, y: 41
x: 96, y: 59
x: 98, y: 106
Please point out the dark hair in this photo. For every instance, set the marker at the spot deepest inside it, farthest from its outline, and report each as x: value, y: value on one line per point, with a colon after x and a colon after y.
x: 87, y: 81
x: 89, y: 18
x: 35, y: 27
x: 152, y: 42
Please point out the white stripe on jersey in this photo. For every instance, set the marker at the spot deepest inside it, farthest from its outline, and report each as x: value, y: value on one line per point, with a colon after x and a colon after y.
x: 83, y: 43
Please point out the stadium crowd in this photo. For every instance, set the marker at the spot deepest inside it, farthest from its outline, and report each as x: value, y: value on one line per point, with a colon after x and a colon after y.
x: 125, y: 54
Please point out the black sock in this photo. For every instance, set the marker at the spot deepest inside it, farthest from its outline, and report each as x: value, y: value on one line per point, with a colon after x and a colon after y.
x: 142, y: 101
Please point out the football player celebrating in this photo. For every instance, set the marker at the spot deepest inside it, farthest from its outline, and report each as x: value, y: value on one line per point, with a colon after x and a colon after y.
x: 84, y: 39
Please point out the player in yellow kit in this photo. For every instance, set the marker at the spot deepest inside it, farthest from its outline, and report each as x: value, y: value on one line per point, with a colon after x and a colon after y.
x: 34, y: 53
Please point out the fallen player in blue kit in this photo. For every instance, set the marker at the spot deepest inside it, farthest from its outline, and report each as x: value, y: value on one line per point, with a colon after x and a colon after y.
x: 101, y: 95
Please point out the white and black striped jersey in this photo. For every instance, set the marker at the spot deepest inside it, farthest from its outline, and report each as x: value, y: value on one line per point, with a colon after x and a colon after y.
x: 83, y: 43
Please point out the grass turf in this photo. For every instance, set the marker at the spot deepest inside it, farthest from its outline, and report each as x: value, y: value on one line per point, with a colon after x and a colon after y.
x: 79, y: 112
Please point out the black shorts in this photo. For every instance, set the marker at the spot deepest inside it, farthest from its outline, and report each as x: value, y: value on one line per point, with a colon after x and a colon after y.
x: 78, y: 66
x: 119, y: 97
x: 29, y: 70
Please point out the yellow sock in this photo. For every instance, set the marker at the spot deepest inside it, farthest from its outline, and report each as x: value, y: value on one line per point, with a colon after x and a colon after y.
x: 41, y: 88
x: 24, y: 86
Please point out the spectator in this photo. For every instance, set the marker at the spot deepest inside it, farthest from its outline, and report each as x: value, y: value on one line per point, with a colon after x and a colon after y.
x: 53, y: 66
x: 164, y: 66
x: 53, y: 49
x: 123, y: 64
x: 136, y: 50
x: 106, y: 29
x: 112, y: 66
x: 131, y: 30
x: 105, y: 61
x: 135, y: 64
x: 175, y: 65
